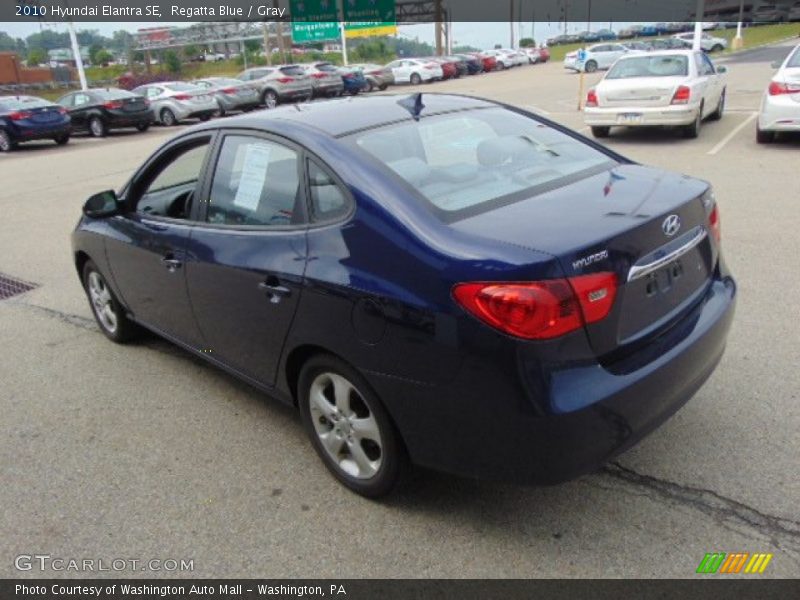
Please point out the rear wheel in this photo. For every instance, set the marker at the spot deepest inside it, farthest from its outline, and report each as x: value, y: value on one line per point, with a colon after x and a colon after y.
x: 692, y: 131
x: 764, y: 137
x: 370, y: 87
x: 601, y: 132
x: 716, y: 48
x: 143, y: 127
x: 349, y: 428
x: 221, y: 111
x: 415, y: 79
x: 717, y: 114
x: 383, y: 87
x: 205, y: 117
x: 61, y: 140
x: 108, y: 312
x: 269, y: 99
x: 168, y: 118
x: 591, y: 66
x: 6, y: 143
x: 97, y: 128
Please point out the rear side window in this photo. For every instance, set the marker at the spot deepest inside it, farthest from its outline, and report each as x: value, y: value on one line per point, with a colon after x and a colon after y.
x: 469, y: 162
x: 256, y: 182
x: 328, y: 200
x: 794, y: 61
x: 293, y: 71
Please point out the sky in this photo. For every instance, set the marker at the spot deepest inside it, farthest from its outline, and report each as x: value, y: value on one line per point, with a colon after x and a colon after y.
x: 479, y: 35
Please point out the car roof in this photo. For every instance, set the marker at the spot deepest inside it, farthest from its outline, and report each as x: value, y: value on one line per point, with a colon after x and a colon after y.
x: 346, y: 115
x: 665, y: 52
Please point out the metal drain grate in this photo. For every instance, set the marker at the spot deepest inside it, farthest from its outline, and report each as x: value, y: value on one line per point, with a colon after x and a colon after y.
x: 11, y: 286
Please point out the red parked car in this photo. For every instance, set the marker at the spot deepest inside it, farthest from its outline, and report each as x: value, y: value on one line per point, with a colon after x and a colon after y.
x: 449, y: 69
x: 489, y: 62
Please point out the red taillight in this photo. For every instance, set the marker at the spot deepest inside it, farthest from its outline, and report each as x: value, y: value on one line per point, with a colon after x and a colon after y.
x: 62, y: 111
x: 182, y: 96
x: 228, y: 90
x: 682, y: 95
x: 20, y: 115
x: 714, y: 224
x: 540, y: 310
x: 318, y: 75
x: 285, y: 79
x: 113, y: 104
x: 591, y: 98
x: 777, y: 89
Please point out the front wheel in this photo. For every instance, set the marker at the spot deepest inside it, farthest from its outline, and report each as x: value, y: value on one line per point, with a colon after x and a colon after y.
x: 716, y: 48
x: 349, y: 428
x: 143, y: 127
x: 97, y: 128
x: 62, y: 140
x: 168, y: 118
x: 415, y: 79
x: 693, y: 131
x: 108, y: 312
x: 6, y: 143
x: 717, y: 114
x: 269, y: 99
x: 591, y: 66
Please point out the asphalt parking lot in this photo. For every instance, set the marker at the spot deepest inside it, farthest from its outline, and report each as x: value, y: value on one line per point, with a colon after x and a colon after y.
x: 144, y: 452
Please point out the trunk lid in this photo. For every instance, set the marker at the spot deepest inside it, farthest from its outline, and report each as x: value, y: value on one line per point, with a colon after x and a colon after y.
x: 615, y: 221
x: 44, y: 114
x: 637, y: 91
x: 134, y: 104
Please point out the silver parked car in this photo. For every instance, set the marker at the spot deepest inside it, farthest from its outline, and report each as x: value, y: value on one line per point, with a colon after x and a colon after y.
x: 174, y: 101
x: 278, y: 84
x: 230, y: 94
x: 325, y: 79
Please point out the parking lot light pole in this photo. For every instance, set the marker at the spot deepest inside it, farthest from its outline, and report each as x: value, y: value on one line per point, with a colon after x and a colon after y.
x: 698, y: 25
x: 76, y: 53
x: 738, y: 42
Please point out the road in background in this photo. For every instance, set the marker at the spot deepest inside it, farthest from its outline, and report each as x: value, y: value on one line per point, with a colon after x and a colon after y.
x: 144, y: 451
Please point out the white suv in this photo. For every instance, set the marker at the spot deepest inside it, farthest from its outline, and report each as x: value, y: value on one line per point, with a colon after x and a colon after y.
x: 707, y: 43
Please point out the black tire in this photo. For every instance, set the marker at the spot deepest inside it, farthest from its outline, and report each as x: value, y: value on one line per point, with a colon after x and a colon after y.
x: 221, y: 112
x: 717, y: 48
x: 590, y: 66
x: 168, y: 118
x: 370, y: 87
x: 143, y: 127
x: 383, y: 87
x: 205, y: 117
x: 125, y: 329
x: 97, y: 127
x: 362, y: 402
x: 601, y: 132
x: 415, y: 79
x: 62, y: 140
x: 7, y: 143
x: 764, y: 137
x: 717, y: 114
x: 693, y: 131
x: 500, y: 66
x: 269, y: 99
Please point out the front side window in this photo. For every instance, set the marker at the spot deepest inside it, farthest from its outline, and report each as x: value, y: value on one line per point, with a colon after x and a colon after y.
x: 256, y: 182
x: 168, y: 189
x: 469, y: 162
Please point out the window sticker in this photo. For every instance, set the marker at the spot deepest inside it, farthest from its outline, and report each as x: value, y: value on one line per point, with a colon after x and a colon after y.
x: 253, y: 178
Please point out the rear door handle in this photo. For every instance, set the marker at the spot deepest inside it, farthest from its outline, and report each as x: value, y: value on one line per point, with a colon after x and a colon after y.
x: 171, y: 263
x: 274, y: 290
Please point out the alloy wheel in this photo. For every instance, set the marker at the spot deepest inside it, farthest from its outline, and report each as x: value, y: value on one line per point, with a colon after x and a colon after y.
x: 102, y: 303
x: 5, y: 141
x: 96, y: 127
x: 345, y: 425
x: 168, y: 117
x: 270, y: 100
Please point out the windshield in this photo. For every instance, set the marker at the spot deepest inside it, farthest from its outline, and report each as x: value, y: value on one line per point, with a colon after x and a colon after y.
x: 293, y: 70
x: 650, y: 66
x: 468, y: 162
x: 22, y: 102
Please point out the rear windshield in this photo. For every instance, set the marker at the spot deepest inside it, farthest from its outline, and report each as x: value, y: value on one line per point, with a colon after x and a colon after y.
x: 326, y: 67
x: 224, y: 81
x: 469, y: 162
x: 22, y: 102
x: 293, y: 70
x: 649, y: 66
x: 112, y: 94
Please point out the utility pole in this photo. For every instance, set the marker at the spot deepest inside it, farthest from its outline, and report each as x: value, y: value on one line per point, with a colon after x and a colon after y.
x: 438, y: 18
x: 342, y: 33
x: 76, y: 53
x: 738, y: 42
x: 511, y: 21
x: 267, y: 49
x: 698, y: 25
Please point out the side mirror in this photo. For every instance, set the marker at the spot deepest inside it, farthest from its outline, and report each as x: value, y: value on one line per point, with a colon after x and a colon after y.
x: 104, y: 204
x: 722, y: 69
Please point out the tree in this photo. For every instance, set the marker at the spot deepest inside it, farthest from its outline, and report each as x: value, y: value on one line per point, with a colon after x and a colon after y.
x: 94, y: 50
x: 527, y: 43
x: 103, y: 57
x: 7, y: 43
x: 36, y: 56
x: 172, y: 61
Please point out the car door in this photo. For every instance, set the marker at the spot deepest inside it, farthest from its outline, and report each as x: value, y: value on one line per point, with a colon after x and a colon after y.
x: 716, y: 83
x: 248, y: 252
x: 147, y: 246
x: 397, y: 71
x: 707, y: 82
x: 82, y: 103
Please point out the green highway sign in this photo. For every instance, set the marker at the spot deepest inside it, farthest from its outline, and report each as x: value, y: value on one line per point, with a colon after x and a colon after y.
x: 314, y: 21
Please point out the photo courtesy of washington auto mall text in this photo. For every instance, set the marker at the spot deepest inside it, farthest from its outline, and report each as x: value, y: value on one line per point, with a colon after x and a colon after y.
x: 389, y: 299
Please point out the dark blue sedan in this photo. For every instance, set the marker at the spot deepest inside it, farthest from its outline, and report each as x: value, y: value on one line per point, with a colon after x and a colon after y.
x: 433, y: 280
x: 27, y: 118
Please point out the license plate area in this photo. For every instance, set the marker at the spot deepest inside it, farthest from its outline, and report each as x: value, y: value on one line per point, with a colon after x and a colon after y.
x: 630, y: 118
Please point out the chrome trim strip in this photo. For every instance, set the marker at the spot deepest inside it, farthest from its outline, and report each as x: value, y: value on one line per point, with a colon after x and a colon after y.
x: 641, y: 270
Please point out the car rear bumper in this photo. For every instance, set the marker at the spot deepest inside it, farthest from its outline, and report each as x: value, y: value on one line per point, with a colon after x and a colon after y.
x: 779, y: 113
x: 40, y: 132
x: 140, y: 118
x: 647, y: 116
x: 485, y: 425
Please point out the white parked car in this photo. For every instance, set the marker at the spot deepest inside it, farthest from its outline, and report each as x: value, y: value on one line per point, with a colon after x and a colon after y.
x: 780, y: 105
x: 415, y: 70
x: 598, y: 56
x: 666, y: 88
x: 504, y: 58
x: 707, y: 43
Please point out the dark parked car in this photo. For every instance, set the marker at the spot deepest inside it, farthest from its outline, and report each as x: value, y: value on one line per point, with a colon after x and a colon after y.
x: 473, y: 64
x: 353, y: 80
x: 28, y: 118
x: 480, y: 291
x: 100, y: 110
x: 377, y: 76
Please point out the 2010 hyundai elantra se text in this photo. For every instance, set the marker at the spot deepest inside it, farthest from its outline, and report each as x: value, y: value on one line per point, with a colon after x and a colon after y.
x: 433, y: 280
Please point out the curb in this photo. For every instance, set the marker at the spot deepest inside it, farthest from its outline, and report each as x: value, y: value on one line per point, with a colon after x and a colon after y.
x: 764, y: 45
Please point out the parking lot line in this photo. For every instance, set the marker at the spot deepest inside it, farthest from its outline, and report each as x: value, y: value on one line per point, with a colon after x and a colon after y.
x: 732, y: 134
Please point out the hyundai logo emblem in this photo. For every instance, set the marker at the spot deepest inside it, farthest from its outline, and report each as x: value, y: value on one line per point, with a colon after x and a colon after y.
x: 671, y: 225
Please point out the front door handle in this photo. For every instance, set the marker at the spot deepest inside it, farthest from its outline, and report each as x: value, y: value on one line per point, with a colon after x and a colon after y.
x: 171, y: 263
x: 274, y: 290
